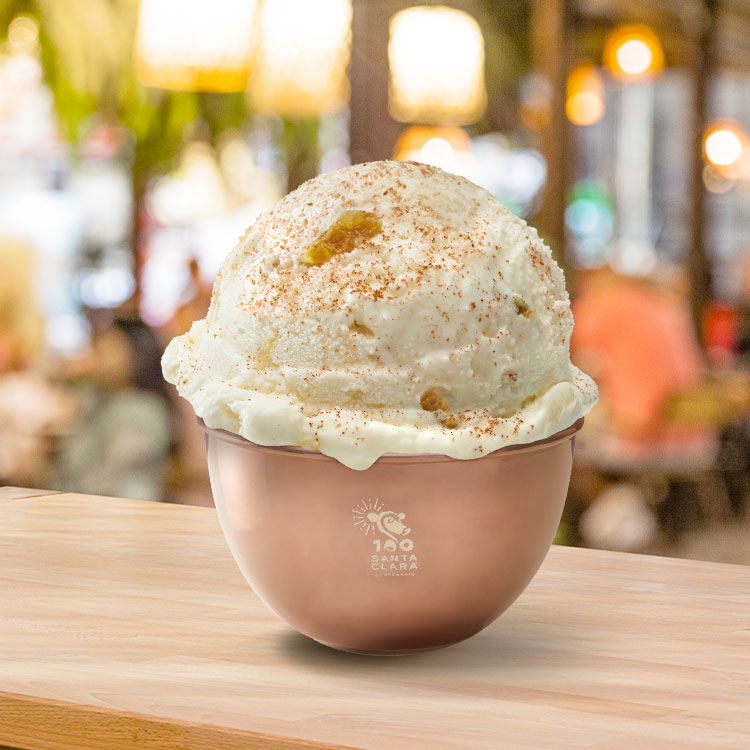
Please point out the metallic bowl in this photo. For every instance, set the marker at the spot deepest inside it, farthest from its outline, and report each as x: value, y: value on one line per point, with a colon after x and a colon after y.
x: 415, y: 553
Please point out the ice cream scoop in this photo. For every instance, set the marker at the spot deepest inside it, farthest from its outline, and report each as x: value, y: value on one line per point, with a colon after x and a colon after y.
x: 387, y: 307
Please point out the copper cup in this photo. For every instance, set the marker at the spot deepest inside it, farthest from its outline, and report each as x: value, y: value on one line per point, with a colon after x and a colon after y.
x: 415, y: 553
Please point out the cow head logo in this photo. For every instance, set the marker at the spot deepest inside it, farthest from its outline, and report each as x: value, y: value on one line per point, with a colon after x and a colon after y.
x: 372, y: 518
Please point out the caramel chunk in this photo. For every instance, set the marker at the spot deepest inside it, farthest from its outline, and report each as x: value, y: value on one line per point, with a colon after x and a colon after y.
x: 349, y: 230
x: 448, y: 421
x: 432, y: 400
x: 521, y: 307
x: 363, y: 330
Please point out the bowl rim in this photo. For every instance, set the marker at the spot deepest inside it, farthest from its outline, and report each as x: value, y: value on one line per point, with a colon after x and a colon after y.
x: 230, y: 437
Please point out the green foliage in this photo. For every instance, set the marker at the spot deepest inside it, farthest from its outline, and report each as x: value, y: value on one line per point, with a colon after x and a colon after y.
x: 300, y: 143
x: 73, y: 106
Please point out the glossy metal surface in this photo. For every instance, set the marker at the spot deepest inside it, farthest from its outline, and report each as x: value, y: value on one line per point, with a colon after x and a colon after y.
x: 415, y: 553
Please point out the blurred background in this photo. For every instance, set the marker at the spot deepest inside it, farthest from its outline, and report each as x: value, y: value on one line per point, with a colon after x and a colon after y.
x: 138, y: 140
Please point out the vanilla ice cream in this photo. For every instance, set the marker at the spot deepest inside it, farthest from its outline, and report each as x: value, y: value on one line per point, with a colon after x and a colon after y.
x: 387, y: 307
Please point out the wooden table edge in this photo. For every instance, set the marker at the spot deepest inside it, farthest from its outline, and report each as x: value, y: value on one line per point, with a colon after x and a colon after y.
x: 33, y: 723
x: 9, y: 492
x: 645, y: 556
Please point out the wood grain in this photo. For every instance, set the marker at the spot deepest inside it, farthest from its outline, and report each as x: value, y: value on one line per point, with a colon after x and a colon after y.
x: 65, y: 725
x: 127, y: 624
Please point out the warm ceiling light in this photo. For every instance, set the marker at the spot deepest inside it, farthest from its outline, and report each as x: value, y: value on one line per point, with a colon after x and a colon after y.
x: 436, y: 60
x: 431, y: 145
x: 192, y: 45
x: 634, y: 57
x: 723, y: 143
x: 301, y: 67
x: 584, y: 108
x: 584, y: 102
x: 448, y: 147
x: 633, y: 52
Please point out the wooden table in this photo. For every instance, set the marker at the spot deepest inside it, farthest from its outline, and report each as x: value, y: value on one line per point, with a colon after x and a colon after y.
x: 126, y: 624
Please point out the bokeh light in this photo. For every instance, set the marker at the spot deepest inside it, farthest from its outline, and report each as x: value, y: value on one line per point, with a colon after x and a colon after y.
x: 634, y: 57
x: 589, y: 221
x: 448, y: 147
x: 195, y: 46
x: 723, y: 143
x: 584, y: 103
x: 633, y: 52
x: 23, y: 34
x: 300, y: 70
x: 436, y: 61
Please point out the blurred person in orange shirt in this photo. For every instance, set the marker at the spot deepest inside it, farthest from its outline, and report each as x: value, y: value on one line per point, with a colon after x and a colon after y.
x: 635, y: 337
x: 637, y: 340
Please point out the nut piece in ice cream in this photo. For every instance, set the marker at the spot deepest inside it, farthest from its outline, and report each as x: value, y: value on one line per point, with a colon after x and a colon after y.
x: 433, y: 400
x: 521, y: 307
x: 342, y: 236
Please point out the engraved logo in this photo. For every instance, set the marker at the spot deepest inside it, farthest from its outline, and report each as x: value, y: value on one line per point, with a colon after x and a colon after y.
x: 394, y: 548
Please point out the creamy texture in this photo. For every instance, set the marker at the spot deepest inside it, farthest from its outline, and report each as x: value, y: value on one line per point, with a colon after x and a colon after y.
x: 455, y: 296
